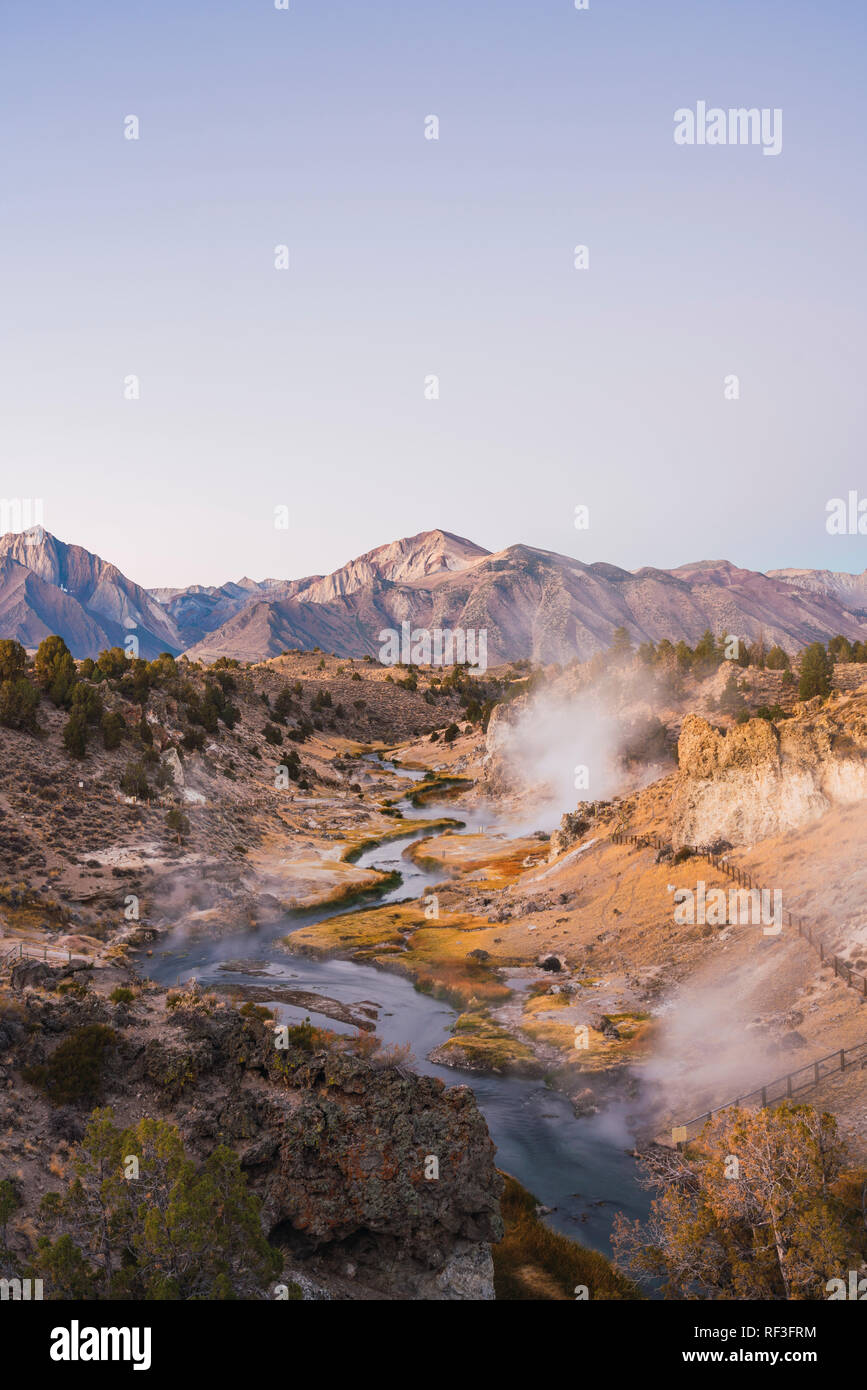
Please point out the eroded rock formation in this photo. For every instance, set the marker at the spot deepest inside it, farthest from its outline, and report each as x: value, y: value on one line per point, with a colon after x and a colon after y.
x: 760, y: 779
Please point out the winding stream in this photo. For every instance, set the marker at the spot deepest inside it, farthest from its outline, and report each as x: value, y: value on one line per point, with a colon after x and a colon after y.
x: 579, y: 1167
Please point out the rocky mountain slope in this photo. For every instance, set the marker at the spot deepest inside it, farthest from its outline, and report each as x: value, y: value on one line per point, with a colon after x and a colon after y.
x: 538, y: 605
x: 850, y: 590
x: 533, y: 604
x: 49, y: 587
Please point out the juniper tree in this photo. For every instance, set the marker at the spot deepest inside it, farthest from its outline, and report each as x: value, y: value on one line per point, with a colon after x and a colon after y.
x: 816, y: 671
x: 757, y: 1207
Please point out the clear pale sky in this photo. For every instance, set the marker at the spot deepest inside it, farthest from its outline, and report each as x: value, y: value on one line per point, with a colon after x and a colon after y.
x: 410, y: 257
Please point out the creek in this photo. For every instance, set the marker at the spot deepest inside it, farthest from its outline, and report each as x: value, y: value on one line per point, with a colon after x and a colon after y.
x: 580, y: 1167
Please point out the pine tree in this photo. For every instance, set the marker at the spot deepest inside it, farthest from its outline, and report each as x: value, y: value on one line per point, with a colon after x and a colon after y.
x: 816, y: 671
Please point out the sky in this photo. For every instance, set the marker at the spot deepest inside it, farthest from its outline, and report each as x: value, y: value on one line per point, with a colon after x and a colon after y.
x: 305, y: 389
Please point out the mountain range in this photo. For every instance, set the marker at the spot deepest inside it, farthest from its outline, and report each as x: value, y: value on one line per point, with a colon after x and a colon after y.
x: 533, y: 603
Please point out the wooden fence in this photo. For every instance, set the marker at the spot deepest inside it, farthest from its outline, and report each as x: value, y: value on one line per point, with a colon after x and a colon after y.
x: 782, y: 1088
x: 20, y: 950
x: 853, y: 978
x: 804, y: 1078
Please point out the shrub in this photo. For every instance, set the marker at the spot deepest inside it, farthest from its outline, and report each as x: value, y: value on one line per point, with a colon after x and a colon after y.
x: 272, y: 734
x: 251, y: 1010
x: 86, y: 700
x: 75, y: 735
x: 121, y: 995
x: 230, y: 714
x: 183, y: 1232
x: 113, y: 729
x: 284, y: 703
x: 178, y: 823
x: 112, y: 663
x: 816, y: 669
x: 134, y: 782
x: 731, y: 701
x: 9, y: 1202
x: 73, y: 1072
x: 777, y: 660
x: 13, y: 659
x: 54, y: 669
x: 770, y: 712
x: 19, y: 701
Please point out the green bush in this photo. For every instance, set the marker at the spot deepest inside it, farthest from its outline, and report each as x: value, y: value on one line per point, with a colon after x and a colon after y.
x: 178, y: 823
x: 13, y: 659
x: 816, y: 670
x: 87, y: 701
x: 75, y: 735
x: 180, y: 1231
x: 73, y: 1072
x: 19, y: 701
x: 113, y: 729
x: 134, y: 782
x: 54, y: 669
x: 777, y: 660
x: 113, y: 663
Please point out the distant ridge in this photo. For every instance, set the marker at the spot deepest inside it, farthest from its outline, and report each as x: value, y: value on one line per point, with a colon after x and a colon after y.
x: 533, y: 603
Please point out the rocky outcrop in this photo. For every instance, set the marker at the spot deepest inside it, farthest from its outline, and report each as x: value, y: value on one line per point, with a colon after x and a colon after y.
x: 360, y: 1165
x: 499, y: 775
x: 761, y: 779
x: 392, y: 1170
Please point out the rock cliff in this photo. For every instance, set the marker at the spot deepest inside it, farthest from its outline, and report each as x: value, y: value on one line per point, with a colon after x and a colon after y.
x: 761, y: 779
x: 375, y: 1182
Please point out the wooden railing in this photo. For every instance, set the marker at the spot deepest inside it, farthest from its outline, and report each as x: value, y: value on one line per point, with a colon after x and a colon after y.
x: 21, y: 950
x: 782, y: 1087
x: 842, y: 969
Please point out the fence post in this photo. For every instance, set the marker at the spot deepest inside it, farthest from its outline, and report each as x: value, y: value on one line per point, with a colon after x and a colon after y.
x: 842, y: 1059
x: 764, y: 1096
x: 789, y: 1084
